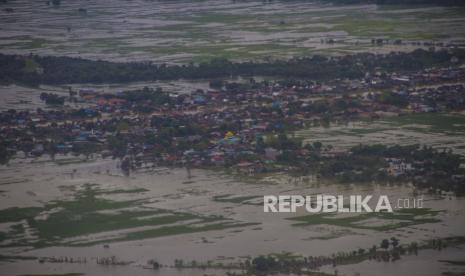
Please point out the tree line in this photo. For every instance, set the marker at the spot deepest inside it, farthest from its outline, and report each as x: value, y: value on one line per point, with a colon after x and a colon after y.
x: 399, y: 2
x: 35, y: 70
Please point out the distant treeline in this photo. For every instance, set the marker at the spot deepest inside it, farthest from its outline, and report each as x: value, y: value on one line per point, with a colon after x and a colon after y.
x: 34, y: 70
x: 400, y: 2
x: 384, y: 2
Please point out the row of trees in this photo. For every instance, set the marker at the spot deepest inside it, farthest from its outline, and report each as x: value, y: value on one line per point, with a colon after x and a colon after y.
x: 52, y: 99
x: 400, y: 2
x: 63, y: 70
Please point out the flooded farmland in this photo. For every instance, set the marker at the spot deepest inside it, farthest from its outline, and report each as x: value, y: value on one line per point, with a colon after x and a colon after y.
x: 210, y: 198
x: 438, y: 130
x: 185, y: 31
x: 192, y: 203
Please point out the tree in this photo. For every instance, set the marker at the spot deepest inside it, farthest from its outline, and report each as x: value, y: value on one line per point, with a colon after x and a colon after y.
x: 216, y: 84
x: 4, y: 154
x: 394, y: 242
x: 260, y: 145
x: 263, y: 263
x: 317, y: 145
x: 384, y: 244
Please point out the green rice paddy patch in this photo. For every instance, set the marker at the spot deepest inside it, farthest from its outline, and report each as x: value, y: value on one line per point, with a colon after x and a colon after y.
x: 28, y: 42
x: 17, y: 257
x: 228, y: 198
x: 13, y: 181
x: 31, y: 66
x: 439, y: 130
x: 172, y: 230
x: 106, y: 43
x: 58, y: 222
x: 436, y: 122
x: 122, y: 191
x: 225, y: 18
x: 69, y: 161
x: 36, y: 43
x: 15, y: 214
x: 401, y: 218
x: 3, y: 236
x: 364, y: 131
x: 366, y: 27
x: 453, y: 262
x: 221, y: 25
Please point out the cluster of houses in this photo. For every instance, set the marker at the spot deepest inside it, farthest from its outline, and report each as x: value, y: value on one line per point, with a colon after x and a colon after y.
x: 221, y: 127
x: 397, y: 167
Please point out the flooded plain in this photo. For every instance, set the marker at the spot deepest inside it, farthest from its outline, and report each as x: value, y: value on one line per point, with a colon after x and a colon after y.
x: 170, y: 211
x: 71, y: 207
x: 441, y: 131
x: 186, y: 31
x: 77, y: 208
x: 28, y: 98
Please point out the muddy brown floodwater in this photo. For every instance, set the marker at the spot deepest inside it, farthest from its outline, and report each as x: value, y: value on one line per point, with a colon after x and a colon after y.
x: 185, y: 31
x: 25, y: 183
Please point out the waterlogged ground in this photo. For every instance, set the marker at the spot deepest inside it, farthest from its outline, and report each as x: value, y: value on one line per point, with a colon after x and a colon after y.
x: 184, y: 31
x: 72, y: 208
x: 442, y: 131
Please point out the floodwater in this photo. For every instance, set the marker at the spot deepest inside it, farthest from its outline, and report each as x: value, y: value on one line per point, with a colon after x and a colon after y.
x: 441, y: 131
x: 427, y: 263
x: 25, y: 183
x: 184, y: 31
x: 28, y: 98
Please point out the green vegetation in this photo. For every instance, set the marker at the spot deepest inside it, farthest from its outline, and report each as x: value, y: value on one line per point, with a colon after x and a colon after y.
x: 427, y: 168
x: 367, y: 27
x: 172, y: 230
x: 60, y: 70
x: 400, y: 2
x: 90, y: 214
x: 15, y: 214
x: 389, y: 250
x: 226, y: 31
x: 238, y: 199
x: 11, y: 258
x: 122, y: 191
x: 403, y: 217
x: 31, y: 66
x: 438, y: 129
x: 436, y: 123
x: 453, y: 262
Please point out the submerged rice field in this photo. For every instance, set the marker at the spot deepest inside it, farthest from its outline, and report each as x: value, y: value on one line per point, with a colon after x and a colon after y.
x: 185, y: 31
x: 88, y: 209
x: 441, y: 131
